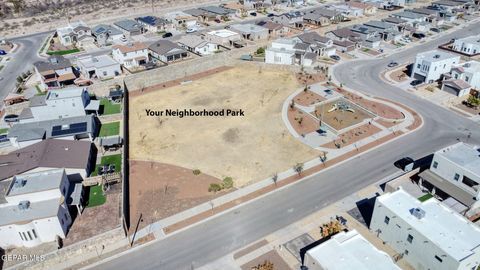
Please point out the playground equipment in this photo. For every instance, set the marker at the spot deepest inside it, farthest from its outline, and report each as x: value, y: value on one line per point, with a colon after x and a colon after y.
x: 341, y: 106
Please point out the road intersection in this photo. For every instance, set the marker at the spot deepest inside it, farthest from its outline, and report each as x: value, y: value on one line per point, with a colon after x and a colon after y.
x: 216, y: 237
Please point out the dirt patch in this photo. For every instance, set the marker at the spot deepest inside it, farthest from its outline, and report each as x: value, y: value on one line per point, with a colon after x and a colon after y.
x: 399, y: 75
x: 272, y: 257
x: 160, y: 190
x: 467, y: 109
x: 96, y: 220
x: 250, y: 249
x: 341, y: 118
x: 240, y: 147
x: 302, y: 122
x: 308, y: 79
x: 353, y: 135
x: 307, y: 98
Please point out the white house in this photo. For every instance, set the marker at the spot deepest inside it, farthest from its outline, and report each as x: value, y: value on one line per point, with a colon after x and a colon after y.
x: 281, y: 52
x: 250, y: 31
x: 101, y: 67
x: 57, y: 104
x: 36, y: 209
x: 131, y: 55
x: 73, y: 33
x: 469, y: 45
x: 428, y: 235
x: 348, y: 250
x: 464, y: 77
x: 198, y: 45
x: 223, y: 37
x: 455, y: 172
x: 429, y: 66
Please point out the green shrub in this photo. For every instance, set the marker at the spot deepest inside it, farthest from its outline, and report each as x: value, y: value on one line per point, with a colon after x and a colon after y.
x: 196, y: 172
x: 214, y: 187
x: 227, y: 182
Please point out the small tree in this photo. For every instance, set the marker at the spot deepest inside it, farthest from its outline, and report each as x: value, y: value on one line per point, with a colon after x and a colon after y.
x: 298, y: 168
x: 260, y: 50
x: 227, y: 182
x: 214, y: 187
x: 275, y: 178
x: 473, y: 101
x: 292, y: 104
x: 196, y: 172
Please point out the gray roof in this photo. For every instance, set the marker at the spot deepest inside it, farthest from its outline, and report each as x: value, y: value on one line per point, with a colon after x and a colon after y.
x: 37, y: 101
x: 394, y: 20
x: 199, y: 12
x: 248, y: 28
x: 35, y: 182
x: 105, y: 29
x: 53, y: 63
x: 165, y: 47
x: 37, y: 210
x: 128, y: 25
x: 409, y: 15
x: 48, y: 153
x: 44, y: 129
x: 312, y: 37
x: 217, y: 10
x: 111, y: 140
x: 192, y: 41
x: 379, y: 24
x: 328, y: 13
x: 310, y: 55
x: 301, y: 46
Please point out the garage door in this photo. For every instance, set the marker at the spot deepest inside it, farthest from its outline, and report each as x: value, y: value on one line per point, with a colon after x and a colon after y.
x: 450, y: 90
x: 417, y: 76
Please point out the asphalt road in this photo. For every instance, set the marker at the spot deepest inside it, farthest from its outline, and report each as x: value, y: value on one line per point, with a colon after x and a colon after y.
x: 217, y: 237
x: 21, y: 61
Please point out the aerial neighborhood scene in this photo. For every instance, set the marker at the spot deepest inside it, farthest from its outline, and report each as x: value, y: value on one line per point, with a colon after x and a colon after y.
x: 240, y: 135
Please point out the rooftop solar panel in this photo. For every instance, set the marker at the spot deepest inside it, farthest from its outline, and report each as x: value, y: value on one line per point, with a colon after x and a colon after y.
x: 70, y: 129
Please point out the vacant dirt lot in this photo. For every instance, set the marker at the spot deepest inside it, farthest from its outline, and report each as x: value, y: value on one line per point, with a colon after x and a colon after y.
x: 247, y: 148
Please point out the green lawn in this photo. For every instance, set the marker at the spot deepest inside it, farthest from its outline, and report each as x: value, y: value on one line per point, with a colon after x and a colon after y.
x: 112, y: 159
x: 425, y: 197
x: 109, y: 129
x: 63, y: 52
x: 96, y: 196
x: 3, y: 130
x: 110, y: 107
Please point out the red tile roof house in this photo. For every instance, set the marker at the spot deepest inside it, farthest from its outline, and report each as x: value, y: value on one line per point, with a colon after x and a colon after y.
x: 77, y: 157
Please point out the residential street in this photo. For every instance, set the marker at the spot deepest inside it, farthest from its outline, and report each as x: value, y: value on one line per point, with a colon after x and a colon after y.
x: 21, y: 61
x: 212, y: 239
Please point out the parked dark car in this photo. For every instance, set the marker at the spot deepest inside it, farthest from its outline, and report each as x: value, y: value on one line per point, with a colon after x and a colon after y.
x: 270, y: 15
x: 416, y: 82
x: 2, y: 52
x: 436, y: 30
x: 405, y: 164
x: 254, y: 14
x: 418, y: 35
x: 335, y: 57
x: 167, y: 35
x: 392, y: 64
x: 11, y: 118
x: 217, y: 21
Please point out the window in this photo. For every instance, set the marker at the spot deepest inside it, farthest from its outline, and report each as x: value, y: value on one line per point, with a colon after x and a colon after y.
x: 418, y: 65
x: 30, y: 236
x: 34, y: 233
x: 21, y: 236
x: 438, y: 258
x: 467, y: 78
x: 406, y: 252
x: 456, y: 177
x: 24, y: 236
x: 387, y: 220
x: 410, y: 238
x: 61, y: 221
x: 104, y: 73
x: 435, y: 164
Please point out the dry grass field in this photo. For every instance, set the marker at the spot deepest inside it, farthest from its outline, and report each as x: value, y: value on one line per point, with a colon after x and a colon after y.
x: 248, y: 148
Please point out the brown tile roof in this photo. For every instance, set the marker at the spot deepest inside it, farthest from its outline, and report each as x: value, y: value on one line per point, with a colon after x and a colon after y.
x: 360, y: 5
x: 66, y: 77
x: 49, y: 153
x: 457, y: 84
x: 131, y: 48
